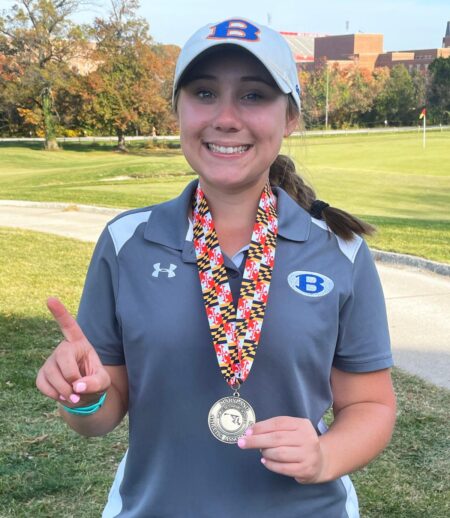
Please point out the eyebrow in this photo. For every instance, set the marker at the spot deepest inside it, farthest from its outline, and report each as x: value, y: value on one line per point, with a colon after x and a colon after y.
x: 259, y: 79
x: 256, y: 79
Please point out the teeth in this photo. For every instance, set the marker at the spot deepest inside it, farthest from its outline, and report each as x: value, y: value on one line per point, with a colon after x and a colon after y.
x: 227, y: 150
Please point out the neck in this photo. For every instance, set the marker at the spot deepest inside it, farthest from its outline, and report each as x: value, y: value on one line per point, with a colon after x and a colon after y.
x: 234, y: 214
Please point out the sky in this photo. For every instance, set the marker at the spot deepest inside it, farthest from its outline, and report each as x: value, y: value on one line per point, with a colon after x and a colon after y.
x: 405, y: 24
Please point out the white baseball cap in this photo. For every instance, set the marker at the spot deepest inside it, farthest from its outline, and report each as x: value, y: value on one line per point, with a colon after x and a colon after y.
x: 267, y: 45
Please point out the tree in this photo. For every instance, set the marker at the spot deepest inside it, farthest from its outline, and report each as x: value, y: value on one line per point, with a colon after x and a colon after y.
x: 351, y: 94
x: 397, y: 102
x: 379, y: 78
x: 129, y: 91
x: 39, y: 40
x: 313, y: 94
x: 439, y: 89
x: 420, y: 81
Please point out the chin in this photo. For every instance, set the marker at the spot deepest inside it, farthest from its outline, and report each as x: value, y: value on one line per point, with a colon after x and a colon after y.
x: 228, y: 181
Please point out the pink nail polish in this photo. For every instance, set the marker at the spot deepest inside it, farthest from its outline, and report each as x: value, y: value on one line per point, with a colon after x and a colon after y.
x: 62, y: 398
x: 248, y: 432
x: 241, y: 442
x: 81, y: 386
x: 263, y: 460
x: 74, y: 398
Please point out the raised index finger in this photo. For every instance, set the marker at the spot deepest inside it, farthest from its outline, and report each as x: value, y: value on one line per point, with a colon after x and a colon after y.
x: 68, y: 325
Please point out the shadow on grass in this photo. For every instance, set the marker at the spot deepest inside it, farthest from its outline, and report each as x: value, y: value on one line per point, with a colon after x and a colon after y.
x: 38, y: 146
x: 138, y: 148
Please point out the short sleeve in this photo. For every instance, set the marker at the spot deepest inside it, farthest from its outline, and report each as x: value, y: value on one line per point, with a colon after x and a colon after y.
x: 363, y: 343
x: 97, y: 315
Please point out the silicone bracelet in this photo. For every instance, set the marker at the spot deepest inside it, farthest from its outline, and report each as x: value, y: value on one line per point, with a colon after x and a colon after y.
x: 86, y: 410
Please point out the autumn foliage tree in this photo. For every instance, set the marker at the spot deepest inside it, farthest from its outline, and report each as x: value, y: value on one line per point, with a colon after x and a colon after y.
x: 129, y: 90
x: 351, y: 94
x: 111, y: 78
x: 37, y: 41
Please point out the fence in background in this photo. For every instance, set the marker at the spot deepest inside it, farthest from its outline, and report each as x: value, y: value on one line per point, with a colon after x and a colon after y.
x: 309, y: 133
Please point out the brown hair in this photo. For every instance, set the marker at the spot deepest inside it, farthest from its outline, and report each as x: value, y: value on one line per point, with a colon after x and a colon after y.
x: 283, y: 174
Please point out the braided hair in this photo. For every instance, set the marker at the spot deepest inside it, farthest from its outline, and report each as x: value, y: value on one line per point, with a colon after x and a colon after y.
x: 283, y: 174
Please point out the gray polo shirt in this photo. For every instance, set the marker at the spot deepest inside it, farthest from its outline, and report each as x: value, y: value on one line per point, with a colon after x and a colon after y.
x: 142, y: 306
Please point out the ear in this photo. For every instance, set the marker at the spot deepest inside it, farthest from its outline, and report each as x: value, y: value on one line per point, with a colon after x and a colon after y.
x: 291, y: 125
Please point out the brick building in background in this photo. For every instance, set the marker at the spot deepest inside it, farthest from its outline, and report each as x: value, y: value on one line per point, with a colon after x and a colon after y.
x: 363, y: 49
x: 367, y: 51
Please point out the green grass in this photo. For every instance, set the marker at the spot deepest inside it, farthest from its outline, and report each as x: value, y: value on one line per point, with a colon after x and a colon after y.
x: 93, y: 174
x: 387, y: 179
x: 46, y: 470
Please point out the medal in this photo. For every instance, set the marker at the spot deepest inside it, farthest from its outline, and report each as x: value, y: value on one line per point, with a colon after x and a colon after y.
x: 229, y: 418
x: 235, y: 333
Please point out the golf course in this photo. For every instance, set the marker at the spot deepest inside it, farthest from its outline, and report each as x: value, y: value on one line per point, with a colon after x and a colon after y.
x: 388, y: 179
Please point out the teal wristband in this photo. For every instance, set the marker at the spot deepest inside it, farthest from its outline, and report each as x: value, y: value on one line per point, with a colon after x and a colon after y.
x: 86, y: 410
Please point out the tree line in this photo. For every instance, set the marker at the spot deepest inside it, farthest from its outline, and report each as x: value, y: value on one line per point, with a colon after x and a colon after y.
x: 59, y: 78
x: 357, y: 97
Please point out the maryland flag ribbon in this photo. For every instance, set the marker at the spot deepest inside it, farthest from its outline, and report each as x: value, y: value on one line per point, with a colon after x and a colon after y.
x: 235, y: 334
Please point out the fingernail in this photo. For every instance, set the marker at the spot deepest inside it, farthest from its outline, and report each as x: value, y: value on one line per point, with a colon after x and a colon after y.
x: 263, y: 460
x: 80, y: 387
x: 62, y: 398
x: 74, y: 398
x: 249, y: 431
x: 241, y: 443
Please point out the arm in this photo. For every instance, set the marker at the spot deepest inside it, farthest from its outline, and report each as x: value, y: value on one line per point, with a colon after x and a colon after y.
x: 364, y: 409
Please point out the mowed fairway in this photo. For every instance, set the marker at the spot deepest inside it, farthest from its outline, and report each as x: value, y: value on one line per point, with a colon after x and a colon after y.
x: 388, y: 179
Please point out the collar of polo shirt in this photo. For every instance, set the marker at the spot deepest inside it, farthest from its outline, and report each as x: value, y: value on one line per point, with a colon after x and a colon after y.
x: 168, y: 224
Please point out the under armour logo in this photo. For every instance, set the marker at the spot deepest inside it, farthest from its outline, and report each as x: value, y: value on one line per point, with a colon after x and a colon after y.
x: 170, y: 271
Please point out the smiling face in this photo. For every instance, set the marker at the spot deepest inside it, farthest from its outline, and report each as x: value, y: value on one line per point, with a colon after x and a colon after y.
x: 232, y: 118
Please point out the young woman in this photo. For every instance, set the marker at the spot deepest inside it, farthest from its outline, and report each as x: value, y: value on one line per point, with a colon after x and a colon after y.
x: 227, y: 321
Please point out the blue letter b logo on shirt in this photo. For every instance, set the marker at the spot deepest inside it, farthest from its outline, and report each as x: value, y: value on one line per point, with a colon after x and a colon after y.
x: 311, y: 284
x: 236, y: 29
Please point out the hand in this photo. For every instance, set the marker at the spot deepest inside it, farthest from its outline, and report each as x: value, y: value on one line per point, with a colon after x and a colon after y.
x: 73, y: 373
x: 289, y: 446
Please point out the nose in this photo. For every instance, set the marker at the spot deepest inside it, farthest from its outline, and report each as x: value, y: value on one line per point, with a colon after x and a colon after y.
x: 227, y: 117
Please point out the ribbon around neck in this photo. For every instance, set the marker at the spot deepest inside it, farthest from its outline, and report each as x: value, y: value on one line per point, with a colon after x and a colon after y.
x: 235, y: 333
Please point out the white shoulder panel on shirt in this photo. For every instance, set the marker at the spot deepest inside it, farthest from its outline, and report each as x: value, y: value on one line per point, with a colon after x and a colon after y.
x: 123, y: 228
x: 348, y: 248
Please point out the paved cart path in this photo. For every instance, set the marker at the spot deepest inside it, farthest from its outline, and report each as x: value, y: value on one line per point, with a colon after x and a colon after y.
x: 418, y: 302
